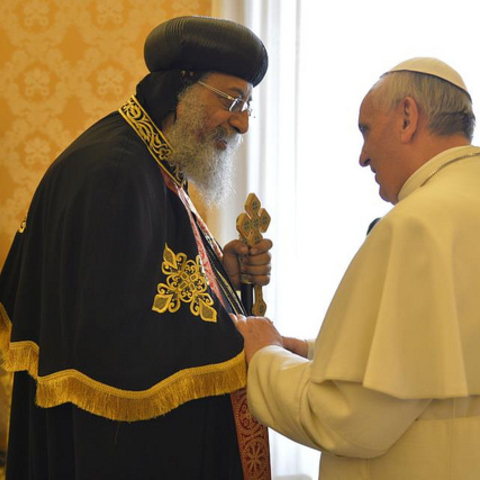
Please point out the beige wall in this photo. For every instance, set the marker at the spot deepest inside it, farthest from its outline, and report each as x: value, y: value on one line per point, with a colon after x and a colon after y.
x: 63, y: 65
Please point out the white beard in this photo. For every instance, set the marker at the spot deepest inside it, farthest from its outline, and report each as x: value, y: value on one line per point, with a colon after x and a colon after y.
x: 201, y: 162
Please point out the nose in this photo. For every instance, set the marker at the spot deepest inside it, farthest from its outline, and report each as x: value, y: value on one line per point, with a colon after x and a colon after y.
x: 364, y: 158
x: 239, y: 121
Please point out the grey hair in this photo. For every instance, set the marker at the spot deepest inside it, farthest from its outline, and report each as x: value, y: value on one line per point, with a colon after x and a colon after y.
x: 447, y: 108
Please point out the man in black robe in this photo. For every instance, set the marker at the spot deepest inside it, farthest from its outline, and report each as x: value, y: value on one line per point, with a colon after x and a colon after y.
x: 115, y: 299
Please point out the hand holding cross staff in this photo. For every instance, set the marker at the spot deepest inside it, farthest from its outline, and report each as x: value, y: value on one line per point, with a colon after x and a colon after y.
x: 259, y: 331
x: 254, y: 265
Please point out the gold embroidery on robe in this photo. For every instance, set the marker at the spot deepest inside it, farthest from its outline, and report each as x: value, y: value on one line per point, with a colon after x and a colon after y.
x: 185, y: 283
x: 151, y: 136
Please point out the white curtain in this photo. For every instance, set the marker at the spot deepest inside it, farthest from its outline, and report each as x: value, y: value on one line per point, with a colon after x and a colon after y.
x: 267, y: 165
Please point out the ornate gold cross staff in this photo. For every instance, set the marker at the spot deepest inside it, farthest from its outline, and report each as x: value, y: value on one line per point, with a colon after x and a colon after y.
x: 250, y: 226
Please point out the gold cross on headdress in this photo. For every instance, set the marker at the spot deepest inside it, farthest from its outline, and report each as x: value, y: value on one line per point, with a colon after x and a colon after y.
x: 250, y: 226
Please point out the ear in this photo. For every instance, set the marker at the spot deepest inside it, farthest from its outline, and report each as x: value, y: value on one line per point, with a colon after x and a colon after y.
x: 408, y: 110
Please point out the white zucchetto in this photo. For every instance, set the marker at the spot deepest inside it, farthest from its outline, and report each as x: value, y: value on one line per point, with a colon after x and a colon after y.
x: 431, y: 66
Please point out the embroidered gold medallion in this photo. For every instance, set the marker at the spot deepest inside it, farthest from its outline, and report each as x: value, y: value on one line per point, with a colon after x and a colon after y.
x: 185, y: 283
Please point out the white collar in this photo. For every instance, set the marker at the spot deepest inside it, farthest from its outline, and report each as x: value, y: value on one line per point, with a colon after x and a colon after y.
x: 427, y: 170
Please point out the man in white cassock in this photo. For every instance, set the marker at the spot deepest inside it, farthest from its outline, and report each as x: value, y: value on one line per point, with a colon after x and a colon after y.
x: 390, y: 389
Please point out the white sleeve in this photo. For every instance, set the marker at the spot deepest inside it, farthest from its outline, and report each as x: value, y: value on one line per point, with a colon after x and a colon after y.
x: 343, y: 418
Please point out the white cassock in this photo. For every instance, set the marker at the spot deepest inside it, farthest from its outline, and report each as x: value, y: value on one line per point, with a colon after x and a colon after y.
x: 392, y: 387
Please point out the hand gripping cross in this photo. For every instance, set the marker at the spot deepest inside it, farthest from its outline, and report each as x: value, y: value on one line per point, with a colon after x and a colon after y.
x: 250, y: 226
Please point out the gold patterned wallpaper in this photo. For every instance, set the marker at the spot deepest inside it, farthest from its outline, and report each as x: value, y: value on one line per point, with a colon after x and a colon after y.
x: 63, y: 65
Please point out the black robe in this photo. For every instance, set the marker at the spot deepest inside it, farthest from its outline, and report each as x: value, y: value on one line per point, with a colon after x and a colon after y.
x: 130, y: 367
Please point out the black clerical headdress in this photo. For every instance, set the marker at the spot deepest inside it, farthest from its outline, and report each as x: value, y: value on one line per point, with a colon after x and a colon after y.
x: 205, y: 44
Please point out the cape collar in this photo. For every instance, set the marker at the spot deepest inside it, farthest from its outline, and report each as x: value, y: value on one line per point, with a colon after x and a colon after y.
x: 152, y: 136
x: 436, y: 164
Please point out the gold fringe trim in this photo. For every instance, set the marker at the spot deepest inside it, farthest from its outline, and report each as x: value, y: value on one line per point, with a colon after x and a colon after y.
x: 114, y: 403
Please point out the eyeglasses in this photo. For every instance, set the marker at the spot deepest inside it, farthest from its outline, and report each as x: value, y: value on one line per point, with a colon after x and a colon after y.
x: 238, y: 104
